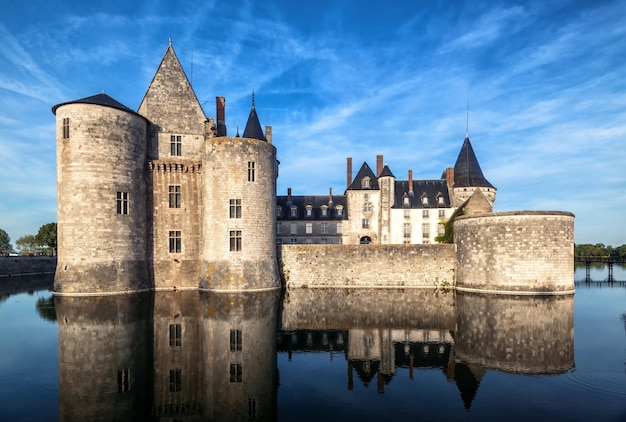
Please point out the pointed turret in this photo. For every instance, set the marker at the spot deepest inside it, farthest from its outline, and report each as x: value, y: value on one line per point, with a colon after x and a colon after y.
x: 170, y: 102
x: 253, y: 126
x: 365, y: 179
x: 467, y: 172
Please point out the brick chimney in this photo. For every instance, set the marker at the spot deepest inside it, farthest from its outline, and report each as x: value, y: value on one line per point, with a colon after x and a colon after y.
x: 220, y: 114
x: 410, y: 181
x: 450, y: 176
x: 379, y: 165
x: 288, y: 195
x: 330, y: 195
x: 349, y: 172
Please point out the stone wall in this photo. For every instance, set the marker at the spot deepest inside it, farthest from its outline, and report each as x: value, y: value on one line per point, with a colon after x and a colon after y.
x: 425, y: 266
x: 27, y: 265
x: 525, y: 252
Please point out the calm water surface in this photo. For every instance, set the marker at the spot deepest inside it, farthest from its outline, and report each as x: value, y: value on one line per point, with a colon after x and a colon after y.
x: 316, y: 355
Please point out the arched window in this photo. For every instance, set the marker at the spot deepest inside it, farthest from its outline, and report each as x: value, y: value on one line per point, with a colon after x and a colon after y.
x: 365, y: 240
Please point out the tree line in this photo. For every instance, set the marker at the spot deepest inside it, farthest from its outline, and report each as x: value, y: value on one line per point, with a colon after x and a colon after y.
x: 43, y: 243
x: 599, y: 249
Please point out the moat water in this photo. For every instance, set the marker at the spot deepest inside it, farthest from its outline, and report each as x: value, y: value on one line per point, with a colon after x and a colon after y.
x: 316, y: 355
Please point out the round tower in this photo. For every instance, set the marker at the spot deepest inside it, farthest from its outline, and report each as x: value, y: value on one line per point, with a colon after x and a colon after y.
x: 101, y: 197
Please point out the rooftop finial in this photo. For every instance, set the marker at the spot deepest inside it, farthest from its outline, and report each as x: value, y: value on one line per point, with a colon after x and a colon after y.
x: 467, y: 121
x: 252, y: 97
x: 170, y: 40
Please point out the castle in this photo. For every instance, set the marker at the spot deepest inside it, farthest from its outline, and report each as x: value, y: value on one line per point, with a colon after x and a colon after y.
x: 162, y: 198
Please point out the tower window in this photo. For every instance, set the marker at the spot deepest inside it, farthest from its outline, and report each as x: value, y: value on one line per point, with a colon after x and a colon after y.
x: 175, y: 241
x: 235, y: 340
x: 367, y: 207
x: 66, y: 128
x: 235, y: 240
x: 176, y: 383
x: 365, y: 223
x: 122, y: 203
x: 251, y: 168
x: 236, y: 372
x: 235, y: 208
x: 123, y: 380
x: 174, y: 192
x: 176, y: 148
x: 365, y: 182
x: 175, y: 335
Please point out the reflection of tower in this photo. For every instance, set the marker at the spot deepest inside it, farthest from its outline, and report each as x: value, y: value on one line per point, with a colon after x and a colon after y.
x: 239, y: 346
x: 105, y: 362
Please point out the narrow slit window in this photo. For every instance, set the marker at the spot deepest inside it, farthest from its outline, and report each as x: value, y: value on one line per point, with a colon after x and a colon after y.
x: 251, y: 169
x: 66, y: 128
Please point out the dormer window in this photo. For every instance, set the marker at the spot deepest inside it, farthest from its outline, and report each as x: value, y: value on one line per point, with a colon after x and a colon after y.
x: 365, y: 183
x: 279, y: 211
x: 339, y: 211
x: 309, y: 210
x: 405, y: 201
x: 424, y: 199
x: 440, y: 199
x: 294, y: 211
x: 324, y: 210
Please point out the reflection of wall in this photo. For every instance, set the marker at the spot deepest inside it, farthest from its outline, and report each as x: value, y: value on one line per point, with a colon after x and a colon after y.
x: 105, y: 359
x: 532, y: 335
x: 340, y: 309
x: 239, y: 346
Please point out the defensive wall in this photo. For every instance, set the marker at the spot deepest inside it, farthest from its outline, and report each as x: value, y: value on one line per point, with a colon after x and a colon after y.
x: 27, y: 265
x: 368, y: 266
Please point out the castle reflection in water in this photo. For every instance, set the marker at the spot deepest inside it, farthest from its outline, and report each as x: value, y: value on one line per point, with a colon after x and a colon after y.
x: 206, y: 356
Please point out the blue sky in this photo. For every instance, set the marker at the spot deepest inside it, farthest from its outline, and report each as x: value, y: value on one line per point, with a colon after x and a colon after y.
x: 545, y: 82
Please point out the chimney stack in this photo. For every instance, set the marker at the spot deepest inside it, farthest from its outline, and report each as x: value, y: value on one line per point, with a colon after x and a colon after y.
x: 349, y: 171
x: 220, y: 114
x: 330, y: 195
x: 288, y: 195
x: 268, y: 134
x: 410, y: 182
x: 450, y: 176
x: 379, y: 165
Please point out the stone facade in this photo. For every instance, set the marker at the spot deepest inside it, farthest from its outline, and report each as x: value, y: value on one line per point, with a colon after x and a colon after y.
x: 515, y: 252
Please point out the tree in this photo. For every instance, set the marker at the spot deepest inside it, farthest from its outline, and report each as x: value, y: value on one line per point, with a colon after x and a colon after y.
x: 26, y: 244
x: 47, y: 236
x: 5, y: 242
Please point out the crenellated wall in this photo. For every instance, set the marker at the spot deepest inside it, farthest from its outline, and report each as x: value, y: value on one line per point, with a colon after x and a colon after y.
x: 522, y: 252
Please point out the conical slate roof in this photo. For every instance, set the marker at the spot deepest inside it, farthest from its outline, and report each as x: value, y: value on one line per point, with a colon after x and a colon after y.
x: 98, y: 99
x: 467, y: 172
x: 253, y: 126
x: 170, y: 101
x: 386, y: 172
x: 365, y: 171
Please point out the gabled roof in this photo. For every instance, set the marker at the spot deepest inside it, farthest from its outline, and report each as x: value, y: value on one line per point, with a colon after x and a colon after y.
x: 170, y: 101
x: 364, y: 172
x: 431, y: 188
x: 253, y: 126
x: 98, y: 99
x: 467, y: 172
x: 386, y: 172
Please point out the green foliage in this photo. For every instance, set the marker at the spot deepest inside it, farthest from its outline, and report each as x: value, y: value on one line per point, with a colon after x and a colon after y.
x: 448, y: 236
x: 26, y: 244
x: 5, y: 242
x: 45, y: 308
x: 47, y: 236
x: 599, y: 249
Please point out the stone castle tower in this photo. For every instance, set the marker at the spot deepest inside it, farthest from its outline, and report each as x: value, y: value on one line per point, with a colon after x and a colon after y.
x: 162, y: 198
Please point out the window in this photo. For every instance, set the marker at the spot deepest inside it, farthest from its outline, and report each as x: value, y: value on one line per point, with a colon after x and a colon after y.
x: 250, y: 171
x: 339, y: 228
x: 235, y: 240
x: 176, y: 148
x: 294, y: 241
x: 366, y: 196
x: 236, y: 372
x: 339, y: 211
x: 367, y: 207
x: 294, y: 211
x: 365, y: 182
x: 440, y: 199
x: 365, y: 223
x: 406, y: 230
x: 293, y: 228
x: 279, y: 211
x: 175, y: 241
x: 425, y: 230
x: 324, y: 241
x: 175, y: 380
x: 441, y: 229
x: 66, y: 128
x: 442, y: 213
x: 174, y: 196
x: 405, y: 200
x: 309, y: 228
x: 251, y: 409
x: 123, y: 380
x: 122, y: 203
x: 309, y: 210
x: 424, y: 213
x: 324, y: 228
x: 235, y: 340
x: 175, y: 335
x: 278, y: 228
x: 324, y: 210
x: 407, y: 214
x: 235, y: 208
x: 424, y: 199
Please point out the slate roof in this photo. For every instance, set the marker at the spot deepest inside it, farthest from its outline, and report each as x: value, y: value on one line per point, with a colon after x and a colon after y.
x: 253, y: 126
x: 365, y: 171
x: 386, y: 172
x: 316, y: 202
x: 467, y: 172
x: 98, y: 99
x: 432, y: 189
